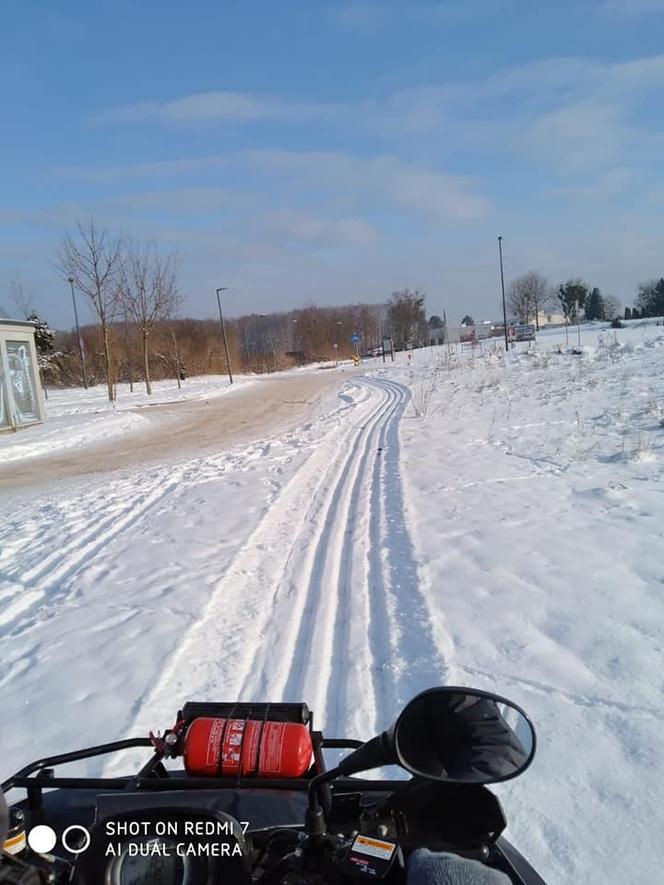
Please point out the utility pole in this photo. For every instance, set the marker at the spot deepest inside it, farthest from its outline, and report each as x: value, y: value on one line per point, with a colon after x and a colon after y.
x: 223, y: 333
x: 502, y: 285
x: 78, y: 336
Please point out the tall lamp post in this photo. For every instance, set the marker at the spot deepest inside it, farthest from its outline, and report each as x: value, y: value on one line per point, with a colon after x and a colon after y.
x: 502, y: 285
x: 223, y: 332
x: 78, y: 335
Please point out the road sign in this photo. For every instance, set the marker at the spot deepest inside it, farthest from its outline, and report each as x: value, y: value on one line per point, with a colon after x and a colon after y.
x: 355, y: 338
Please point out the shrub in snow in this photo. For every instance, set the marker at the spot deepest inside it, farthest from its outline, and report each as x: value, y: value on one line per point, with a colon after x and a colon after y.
x: 44, y: 338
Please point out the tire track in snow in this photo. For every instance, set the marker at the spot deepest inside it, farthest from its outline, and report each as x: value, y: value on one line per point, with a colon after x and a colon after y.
x: 346, y: 698
x: 417, y: 661
x: 217, y: 653
x: 322, y: 603
x: 320, y: 649
x: 286, y: 615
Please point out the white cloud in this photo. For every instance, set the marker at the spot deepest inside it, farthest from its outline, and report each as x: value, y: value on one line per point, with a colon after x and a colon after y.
x: 207, y: 107
x: 358, y: 14
x: 312, y: 230
x: 575, y: 114
x: 631, y: 8
x: 156, y: 169
x: 385, y: 179
x: 187, y: 199
x: 544, y: 84
x: 364, y: 14
x: 577, y: 137
x: 615, y: 181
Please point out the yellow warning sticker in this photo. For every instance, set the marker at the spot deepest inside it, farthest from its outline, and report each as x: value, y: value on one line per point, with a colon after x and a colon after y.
x: 15, y: 844
x: 374, y: 847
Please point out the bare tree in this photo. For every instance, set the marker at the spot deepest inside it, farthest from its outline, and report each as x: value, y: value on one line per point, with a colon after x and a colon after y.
x: 92, y: 260
x: 528, y: 295
x: 612, y: 307
x: 24, y: 301
x: 407, y: 317
x: 149, y: 292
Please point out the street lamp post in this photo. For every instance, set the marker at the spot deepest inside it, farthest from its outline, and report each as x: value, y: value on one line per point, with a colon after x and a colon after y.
x: 78, y: 335
x: 502, y: 285
x: 223, y: 332
x: 336, y: 343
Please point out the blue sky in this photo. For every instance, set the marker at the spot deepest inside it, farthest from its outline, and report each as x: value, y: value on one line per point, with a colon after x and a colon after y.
x: 336, y: 151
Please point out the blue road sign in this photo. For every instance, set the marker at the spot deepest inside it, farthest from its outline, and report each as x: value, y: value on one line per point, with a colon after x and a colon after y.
x: 355, y: 338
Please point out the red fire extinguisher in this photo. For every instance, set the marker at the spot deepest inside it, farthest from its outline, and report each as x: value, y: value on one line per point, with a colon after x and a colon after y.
x: 226, y: 747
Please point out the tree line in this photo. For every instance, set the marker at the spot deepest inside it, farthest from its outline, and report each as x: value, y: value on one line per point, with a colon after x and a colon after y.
x: 133, y: 289
x: 134, y: 292
x: 180, y: 347
x: 531, y: 297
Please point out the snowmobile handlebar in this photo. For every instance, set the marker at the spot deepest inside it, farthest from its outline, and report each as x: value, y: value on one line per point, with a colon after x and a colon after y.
x: 452, y: 741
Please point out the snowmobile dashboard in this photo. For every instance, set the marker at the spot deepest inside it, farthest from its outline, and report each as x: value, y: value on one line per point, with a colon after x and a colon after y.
x: 254, y: 802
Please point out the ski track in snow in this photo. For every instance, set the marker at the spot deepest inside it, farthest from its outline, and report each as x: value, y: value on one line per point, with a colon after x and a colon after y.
x: 322, y: 603
x: 48, y: 578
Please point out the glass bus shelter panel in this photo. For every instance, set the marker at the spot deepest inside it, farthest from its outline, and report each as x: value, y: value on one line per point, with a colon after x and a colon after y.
x: 22, y: 382
x: 5, y: 417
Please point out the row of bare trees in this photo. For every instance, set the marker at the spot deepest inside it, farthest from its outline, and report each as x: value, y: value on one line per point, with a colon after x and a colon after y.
x: 531, y: 296
x: 121, y: 279
x: 257, y: 343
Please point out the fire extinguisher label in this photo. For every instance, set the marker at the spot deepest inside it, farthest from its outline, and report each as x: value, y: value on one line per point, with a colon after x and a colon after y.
x: 233, y: 742
x: 272, y: 748
x: 251, y: 747
x: 214, y: 743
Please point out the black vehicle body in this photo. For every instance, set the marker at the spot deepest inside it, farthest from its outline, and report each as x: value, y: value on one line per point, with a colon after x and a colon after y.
x: 466, y: 819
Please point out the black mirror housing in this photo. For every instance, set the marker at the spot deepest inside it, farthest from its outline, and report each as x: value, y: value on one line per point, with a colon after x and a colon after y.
x: 453, y: 735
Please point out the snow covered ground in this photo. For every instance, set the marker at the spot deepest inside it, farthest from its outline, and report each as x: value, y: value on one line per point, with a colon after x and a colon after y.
x: 536, y: 505
x: 77, y: 417
x: 474, y: 519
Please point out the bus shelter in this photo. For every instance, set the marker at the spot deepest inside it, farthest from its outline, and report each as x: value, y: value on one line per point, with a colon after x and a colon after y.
x: 21, y: 400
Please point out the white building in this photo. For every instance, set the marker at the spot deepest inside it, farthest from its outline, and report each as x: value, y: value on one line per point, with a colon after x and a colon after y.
x: 550, y: 318
x: 21, y: 400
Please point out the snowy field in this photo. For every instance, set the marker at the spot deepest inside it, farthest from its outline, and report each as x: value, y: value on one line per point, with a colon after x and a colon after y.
x: 475, y: 519
x: 536, y: 505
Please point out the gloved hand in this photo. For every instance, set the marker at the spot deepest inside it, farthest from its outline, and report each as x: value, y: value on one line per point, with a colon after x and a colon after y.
x: 426, y: 867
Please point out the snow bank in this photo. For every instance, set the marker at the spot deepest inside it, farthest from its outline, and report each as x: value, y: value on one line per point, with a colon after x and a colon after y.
x: 536, y: 504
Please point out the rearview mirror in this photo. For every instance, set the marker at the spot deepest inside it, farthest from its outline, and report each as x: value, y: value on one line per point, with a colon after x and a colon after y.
x: 456, y: 735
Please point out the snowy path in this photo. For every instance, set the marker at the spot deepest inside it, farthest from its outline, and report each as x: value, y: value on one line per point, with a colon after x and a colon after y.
x: 122, y: 436
x: 322, y: 602
x: 282, y: 570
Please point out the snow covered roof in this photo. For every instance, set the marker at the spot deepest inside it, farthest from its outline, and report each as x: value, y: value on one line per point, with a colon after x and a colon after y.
x: 7, y: 322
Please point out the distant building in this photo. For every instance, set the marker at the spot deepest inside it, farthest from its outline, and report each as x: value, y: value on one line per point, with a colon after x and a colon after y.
x: 20, y: 388
x: 547, y: 318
